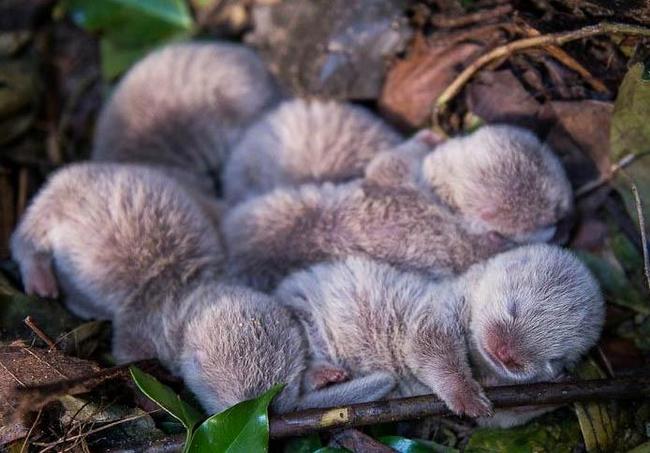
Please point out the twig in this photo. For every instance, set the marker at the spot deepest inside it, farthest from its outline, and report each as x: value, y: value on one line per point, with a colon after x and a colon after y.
x: 96, y: 430
x: 604, y: 179
x: 31, y: 429
x: 444, y: 21
x: 538, y: 41
x: 644, y: 239
x: 566, y: 59
x: 300, y: 423
x: 29, y: 321
x: 305, y: 422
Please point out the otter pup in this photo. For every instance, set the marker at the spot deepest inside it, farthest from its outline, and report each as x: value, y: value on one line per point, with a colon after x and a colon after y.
x: 305, y: 141
x: 182, y: 107
x: 271, y: 235
x: 521, y: 316
x: 125, y: 243
x: 499, y: 178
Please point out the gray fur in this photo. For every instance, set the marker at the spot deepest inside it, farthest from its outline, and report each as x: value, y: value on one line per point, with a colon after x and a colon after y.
x: 287, y: 229
x: 502, y: 179
x: 182, y: 107
x: 125, y: 243
x: 305, y: 141
x: 369, y: 317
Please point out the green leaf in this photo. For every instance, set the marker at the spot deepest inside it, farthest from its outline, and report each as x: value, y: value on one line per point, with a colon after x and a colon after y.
x: 331, y: 450
x: 167, y: 399
x: 243, y: 427
x: 597, y: 420
x: 630, y: 135
x: 130, y: 28
x: 404, y: 445
x: 557, y: 433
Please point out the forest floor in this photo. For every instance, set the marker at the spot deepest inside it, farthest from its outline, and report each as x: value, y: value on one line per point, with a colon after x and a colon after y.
x: 583, y: 87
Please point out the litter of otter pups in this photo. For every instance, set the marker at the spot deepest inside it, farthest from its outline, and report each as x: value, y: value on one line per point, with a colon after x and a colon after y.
x: 391, y: 266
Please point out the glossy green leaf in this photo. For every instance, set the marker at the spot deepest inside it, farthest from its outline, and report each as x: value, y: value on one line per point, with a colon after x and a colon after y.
x: 243, y: 427
x: 167, y: 399
x: 130, y: 28
x: 331, y: 450
x: 404, y: 445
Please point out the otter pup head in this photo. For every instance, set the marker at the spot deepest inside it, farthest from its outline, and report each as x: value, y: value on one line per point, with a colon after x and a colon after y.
x: 534, y: 310
x: 501, y: 179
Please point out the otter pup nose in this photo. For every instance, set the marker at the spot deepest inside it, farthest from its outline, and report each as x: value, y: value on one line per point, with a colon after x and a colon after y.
x: 506, y: 356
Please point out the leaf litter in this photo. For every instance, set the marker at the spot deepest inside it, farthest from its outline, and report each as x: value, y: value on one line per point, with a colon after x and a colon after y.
x: 569, y: 95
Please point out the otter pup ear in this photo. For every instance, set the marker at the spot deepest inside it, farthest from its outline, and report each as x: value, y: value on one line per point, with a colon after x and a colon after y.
x: 390, y: 169
x: 399, y: 165
x: 427, y: 137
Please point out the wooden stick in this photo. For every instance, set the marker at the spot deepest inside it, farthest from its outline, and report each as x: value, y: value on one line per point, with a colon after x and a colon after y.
x: 301, y: 423
x: 537, y: 41
x: 29, y: 321
x: 305, y: 422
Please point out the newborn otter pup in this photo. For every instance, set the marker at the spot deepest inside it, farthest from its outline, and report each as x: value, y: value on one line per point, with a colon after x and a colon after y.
x: 125, y: 243
x: 304, y: 141
x: 521, y: 316
x: 498, y: 179
x: 182, y: 107
x: 269, y: 236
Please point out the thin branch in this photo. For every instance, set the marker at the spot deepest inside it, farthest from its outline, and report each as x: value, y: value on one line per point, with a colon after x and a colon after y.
x: 29, y: 433
x: 566, y: 59
x: 552, y: 394
x: 300, y: 423
x: 96, y: 430
x: 538, y: 41
x: 604, y: 179
x: 29, y: 321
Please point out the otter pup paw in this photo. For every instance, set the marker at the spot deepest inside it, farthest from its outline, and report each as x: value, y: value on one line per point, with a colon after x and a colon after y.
x: 469, y: 399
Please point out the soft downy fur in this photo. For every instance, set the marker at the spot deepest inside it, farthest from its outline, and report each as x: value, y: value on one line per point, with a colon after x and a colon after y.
x: 305, y: 141
x: 500, y: 179
x: 182, y: 107
x: 538, y: 306
x: 124, y: 243
x: 287, y: 229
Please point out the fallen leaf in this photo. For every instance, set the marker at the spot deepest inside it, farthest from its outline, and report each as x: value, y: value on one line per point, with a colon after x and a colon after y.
x: 414, y: 83
x: 630, y: 134
x: 22, y: 366
x: 580, y: 134
x: 499, y: 97
x: 598, y: 421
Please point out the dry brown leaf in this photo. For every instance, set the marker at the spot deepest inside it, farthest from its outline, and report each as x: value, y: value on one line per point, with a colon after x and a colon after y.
x: 499, y: 97
x: 413, y: 84
x: 581, y: 134
x: 22, y: 366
